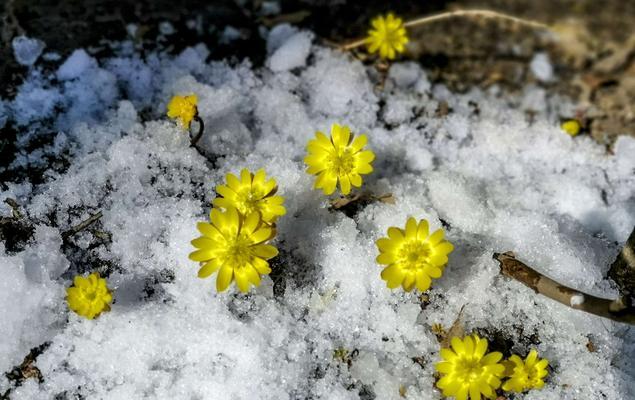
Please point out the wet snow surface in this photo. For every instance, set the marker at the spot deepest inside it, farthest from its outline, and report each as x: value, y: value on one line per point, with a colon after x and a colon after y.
x: 495, y: 179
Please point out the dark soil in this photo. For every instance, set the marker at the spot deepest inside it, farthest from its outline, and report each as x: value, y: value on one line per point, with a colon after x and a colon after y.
x: 594, y: 57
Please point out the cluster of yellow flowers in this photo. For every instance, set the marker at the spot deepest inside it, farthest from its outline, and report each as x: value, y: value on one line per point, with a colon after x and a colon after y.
x: 234, y: 242
x: 413, y: 256
x: 468, y: 371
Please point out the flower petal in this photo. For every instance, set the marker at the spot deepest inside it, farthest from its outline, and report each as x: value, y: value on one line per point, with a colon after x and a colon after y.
x: 356, y: 179
x: 423, y: 281
x: 393, y: 275
x: 444, y: 248
x: 447, y: 354
x: 457, y: 345
x: 209, y: 230
x: 364, y: 157
x: 210, y: 267
x: 232, y: 181
x: 202, y: 255
x: 204, y: 243
x: 358, y: 143
x: 364, y: 169
x: 261, y: 235
x: 261, y: 266
x: 409, y: 281
x: 386, y: 258
x: 345, y: 184
x: 252, y: 275
x: 475, y: 394
x: 444, y: 367
x: 531, y: 358
x: 251, y: 222
x: 245, y: 177
x: 226, y: 192
x: 259, y: 178
x: 411, y: 228
x: 480, y: 349
x: 436, y: 237
x: 385, y: 245
x: 265, y: 251
x: 396, y: 234
x: 432, y: 271
x: 241, y: 279
x: 422, y: 229
x: 492, y: 358
x: 224, y: 278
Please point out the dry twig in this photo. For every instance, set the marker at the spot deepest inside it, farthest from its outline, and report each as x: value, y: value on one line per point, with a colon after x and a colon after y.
x: 82, y: 225
x: 362, y: 197
x: 614, y: 309
x: 486, y: 14
x: 622, y: 270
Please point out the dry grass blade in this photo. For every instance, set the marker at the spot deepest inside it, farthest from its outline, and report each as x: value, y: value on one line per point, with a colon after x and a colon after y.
x: 614, y: 309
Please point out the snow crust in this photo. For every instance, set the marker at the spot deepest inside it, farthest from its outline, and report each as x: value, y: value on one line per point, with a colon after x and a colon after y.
x: 495, y: 181
x: 27, y: 50
x: 541, y: 67
x: 292, y: 53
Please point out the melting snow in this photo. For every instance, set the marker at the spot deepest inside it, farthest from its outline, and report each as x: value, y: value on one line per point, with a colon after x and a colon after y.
x: 496, y: 181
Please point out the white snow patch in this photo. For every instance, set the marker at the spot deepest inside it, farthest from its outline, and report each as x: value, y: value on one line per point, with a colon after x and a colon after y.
x: 27, y: 50
x: 292, y: 53
x: 541, y: 67
x: 576, y: 300
x: 493, y: 180
x: 75, y: 65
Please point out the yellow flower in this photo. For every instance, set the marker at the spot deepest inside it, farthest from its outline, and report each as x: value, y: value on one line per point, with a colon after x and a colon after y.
x: 90, y: 296
x: 251, y: 193
x: 183, y: 109
x: 572, y: 127
x: 413, y: 256
x: 234, y: 245
x: 526, y: 375
x: 388, y: 36
x: 467, y: 371
x: 339, y: 158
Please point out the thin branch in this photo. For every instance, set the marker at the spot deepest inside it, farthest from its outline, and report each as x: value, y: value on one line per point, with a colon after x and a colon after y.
x: 201, y: 128
x: 81, y: 226
x: 362, y: 197
x: 622, y: 270
x: 486, y: 14
x: 607, y: 308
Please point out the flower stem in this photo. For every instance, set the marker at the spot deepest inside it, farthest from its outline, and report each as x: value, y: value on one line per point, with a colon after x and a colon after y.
x: 201, y: 128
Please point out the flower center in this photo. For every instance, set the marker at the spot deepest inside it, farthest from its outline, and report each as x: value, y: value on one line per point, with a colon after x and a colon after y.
x: 248, y: 201
x: 342, y: 163
x: 414, y: 254
x: 390, y: 35
x: 238, y: 253
x: 470, y: 369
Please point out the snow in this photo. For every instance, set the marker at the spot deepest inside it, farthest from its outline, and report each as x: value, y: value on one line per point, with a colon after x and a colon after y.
x: 541, y: 67
x: 75, y: 65
x: 292, y: 53
x: 577, y: 300
x: 495, y: 181
x: 27, y: 50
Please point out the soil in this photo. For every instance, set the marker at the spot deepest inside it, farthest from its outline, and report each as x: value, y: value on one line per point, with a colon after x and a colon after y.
x: 593, y: 56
